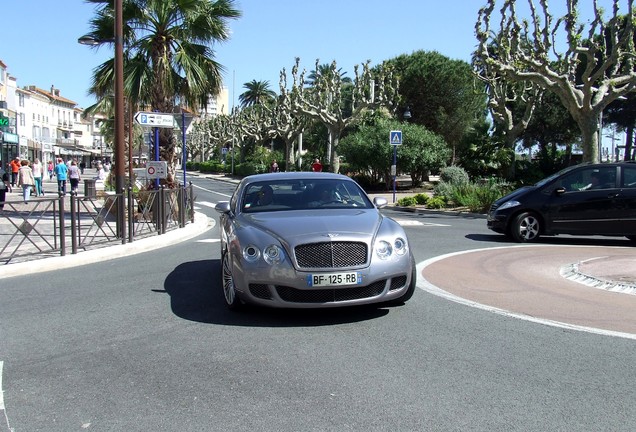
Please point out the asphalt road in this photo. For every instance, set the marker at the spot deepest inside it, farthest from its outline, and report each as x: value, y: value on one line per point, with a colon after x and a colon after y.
x: 145, y: 343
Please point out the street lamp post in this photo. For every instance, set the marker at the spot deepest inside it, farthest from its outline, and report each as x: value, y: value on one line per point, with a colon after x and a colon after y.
x: 406, y: 116
x: 183, y: 121
x: 119, y: 114
x: 119, y: 109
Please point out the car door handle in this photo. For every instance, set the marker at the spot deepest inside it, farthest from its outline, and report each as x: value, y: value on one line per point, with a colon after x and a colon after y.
x: 613, y: 195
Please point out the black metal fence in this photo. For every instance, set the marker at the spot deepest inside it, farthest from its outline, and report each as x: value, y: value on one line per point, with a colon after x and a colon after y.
x: 45, y: 227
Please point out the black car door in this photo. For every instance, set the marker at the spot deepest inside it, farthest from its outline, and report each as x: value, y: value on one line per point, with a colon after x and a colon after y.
x: 626, y: 200
x: 589, y: 204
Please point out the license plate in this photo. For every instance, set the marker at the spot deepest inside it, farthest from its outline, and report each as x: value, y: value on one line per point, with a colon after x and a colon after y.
x: 334, y: 279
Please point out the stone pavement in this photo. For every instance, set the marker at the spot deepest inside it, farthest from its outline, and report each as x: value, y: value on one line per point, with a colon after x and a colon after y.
x: 539, y: 283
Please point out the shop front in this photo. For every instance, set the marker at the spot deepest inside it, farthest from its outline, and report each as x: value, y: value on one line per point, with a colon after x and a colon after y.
x: 9, y: 147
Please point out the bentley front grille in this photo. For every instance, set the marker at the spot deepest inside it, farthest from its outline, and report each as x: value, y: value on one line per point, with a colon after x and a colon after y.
x: 331, y: 254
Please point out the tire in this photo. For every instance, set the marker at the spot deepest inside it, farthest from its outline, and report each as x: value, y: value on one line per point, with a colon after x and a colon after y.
x: 231, y: 297
x: 525, y: 228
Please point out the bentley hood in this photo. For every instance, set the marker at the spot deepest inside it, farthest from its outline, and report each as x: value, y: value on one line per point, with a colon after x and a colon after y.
x: 305, y: 226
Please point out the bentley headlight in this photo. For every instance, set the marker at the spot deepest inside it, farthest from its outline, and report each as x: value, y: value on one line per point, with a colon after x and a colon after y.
x: 400, y: 246
x: 251, y: 253
x: 273, y: 254
x: 383, y: 249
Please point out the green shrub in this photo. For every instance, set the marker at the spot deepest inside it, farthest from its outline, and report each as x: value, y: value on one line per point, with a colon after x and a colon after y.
x: 454, y: 175
x: 407, y: 201
x: 436, y: 202
x: 478, y: 197
x: 421, y: 199
x: 443, y: 188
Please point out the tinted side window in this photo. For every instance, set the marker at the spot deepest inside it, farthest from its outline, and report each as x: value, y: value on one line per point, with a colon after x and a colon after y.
x: 589, y: 179
x: 629, y: 177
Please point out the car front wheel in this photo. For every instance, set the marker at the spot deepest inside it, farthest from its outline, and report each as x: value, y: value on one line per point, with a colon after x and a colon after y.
x: 232, y: 300
x: 525, y: 228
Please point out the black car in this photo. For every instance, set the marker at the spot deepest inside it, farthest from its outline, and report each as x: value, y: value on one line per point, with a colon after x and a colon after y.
x: 586, y: 199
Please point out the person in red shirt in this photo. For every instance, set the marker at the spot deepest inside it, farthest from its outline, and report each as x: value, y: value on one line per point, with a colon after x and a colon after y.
x: 15, y: 167
x: 316, y: 166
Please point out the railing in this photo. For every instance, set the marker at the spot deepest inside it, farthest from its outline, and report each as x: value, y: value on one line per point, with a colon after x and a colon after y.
x: 46, y: 227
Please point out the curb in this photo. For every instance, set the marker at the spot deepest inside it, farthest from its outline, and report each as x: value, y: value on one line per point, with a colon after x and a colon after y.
x: 424, y: 210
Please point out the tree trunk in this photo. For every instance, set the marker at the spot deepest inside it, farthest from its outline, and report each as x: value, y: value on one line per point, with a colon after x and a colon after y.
x: 629, y: 139
x: 589, y: 137
x: 334, y: 161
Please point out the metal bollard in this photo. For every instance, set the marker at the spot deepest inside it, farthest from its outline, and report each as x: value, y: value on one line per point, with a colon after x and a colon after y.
x: 62, y: 230
x: 73, y: 222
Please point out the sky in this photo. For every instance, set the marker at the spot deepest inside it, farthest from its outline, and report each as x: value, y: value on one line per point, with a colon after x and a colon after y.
x: 39, y: 38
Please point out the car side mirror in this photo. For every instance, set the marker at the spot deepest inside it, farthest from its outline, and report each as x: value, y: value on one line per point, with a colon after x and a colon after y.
x: 223, y: 207
x: 380, y: 202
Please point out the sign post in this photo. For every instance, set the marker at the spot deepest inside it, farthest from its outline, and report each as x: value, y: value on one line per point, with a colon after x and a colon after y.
x: 155, y: 120
x: 395, y: 139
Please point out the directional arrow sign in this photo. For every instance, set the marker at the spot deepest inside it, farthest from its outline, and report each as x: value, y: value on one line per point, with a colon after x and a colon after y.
x: 150, y: 119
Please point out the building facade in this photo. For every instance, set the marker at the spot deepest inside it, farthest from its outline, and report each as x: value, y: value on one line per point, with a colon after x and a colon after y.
x: 42, y: 124
x: 37, y: 123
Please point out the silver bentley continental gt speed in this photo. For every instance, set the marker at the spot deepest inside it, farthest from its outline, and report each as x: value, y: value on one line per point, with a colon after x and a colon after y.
x: 311, y: 240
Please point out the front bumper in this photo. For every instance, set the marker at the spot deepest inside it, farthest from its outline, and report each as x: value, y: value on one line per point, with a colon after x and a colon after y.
x: 293, y: 291
x: 497, y: 222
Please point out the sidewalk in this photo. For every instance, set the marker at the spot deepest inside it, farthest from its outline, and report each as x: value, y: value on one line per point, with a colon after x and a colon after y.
x: 52, y: 260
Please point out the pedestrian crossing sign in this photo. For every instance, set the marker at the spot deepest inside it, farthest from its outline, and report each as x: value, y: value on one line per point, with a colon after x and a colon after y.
x: 395, y: 137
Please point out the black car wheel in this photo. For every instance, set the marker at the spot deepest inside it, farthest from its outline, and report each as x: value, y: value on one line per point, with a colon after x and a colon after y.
x: 232, y: 300
x: 525, y: 228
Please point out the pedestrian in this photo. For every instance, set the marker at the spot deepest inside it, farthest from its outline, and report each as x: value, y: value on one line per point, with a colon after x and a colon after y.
x: 38, y: 172
x: 61, y: 172
x: 74, y: 176
x: 101, y: 174
x: 15, y: 167
x: 25, y: 179
x: 50, y: 169
x: 316, y: 166
x: 274, y: 166
x: 82, y: 167
x: 5, y: 184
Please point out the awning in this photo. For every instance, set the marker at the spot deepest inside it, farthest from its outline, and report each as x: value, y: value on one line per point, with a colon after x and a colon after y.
x: 75, y: 149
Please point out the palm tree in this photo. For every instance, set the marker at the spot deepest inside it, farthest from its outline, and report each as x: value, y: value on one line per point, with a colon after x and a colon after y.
x: 257, y: 93
x: 171, y: 44
x: 325, y: 70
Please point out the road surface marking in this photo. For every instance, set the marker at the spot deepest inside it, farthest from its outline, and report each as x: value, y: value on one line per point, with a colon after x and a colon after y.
x: 411, y: 222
